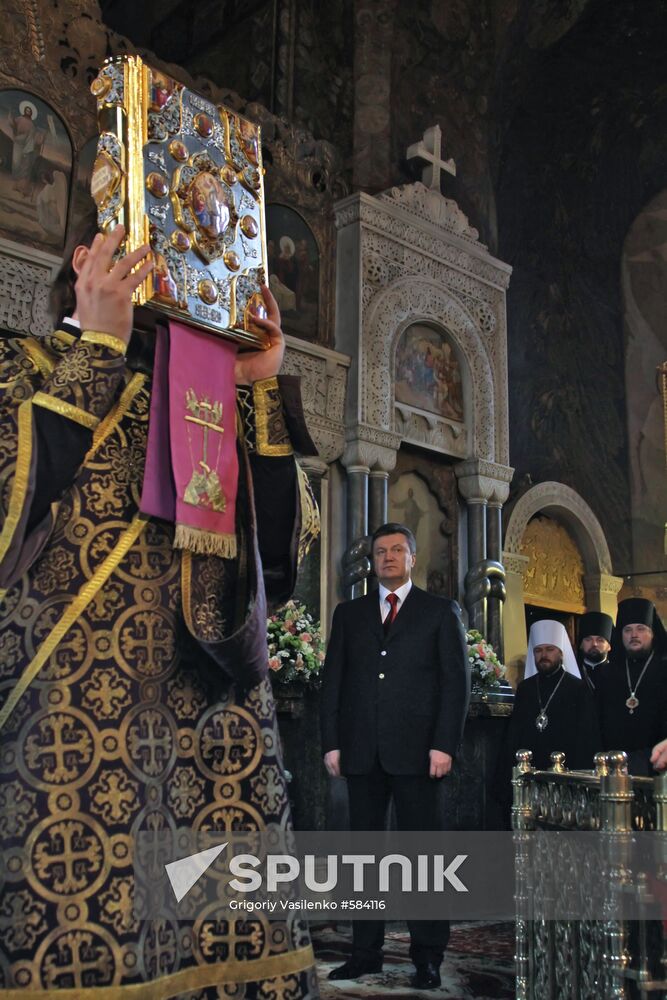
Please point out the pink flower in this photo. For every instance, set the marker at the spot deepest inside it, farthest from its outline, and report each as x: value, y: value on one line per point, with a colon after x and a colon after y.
x: 275, y: 663
x: 306, y: 636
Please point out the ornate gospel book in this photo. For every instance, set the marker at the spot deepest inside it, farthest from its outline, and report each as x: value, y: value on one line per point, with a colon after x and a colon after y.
x: 186, y: 176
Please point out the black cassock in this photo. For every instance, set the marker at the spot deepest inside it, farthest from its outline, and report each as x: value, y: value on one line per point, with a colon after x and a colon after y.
x: 639, y: 731
x: 572, y: 727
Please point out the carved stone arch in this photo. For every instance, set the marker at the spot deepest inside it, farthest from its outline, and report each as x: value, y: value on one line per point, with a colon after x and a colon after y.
x: 414, y: 300
x: 565, y: 504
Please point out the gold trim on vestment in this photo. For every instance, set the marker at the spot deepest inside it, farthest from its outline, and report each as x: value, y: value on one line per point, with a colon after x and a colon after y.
x: 261, y: 398
x: 104, y: 340
x: 186, y: 587
x: 70, y: 615
x: 39, y: 357
x: 115, y: 415
x: 66, y: 337
x: 21, y: 476
x: 310, y: 514
x: 194, y: 978
x: 65, y: 409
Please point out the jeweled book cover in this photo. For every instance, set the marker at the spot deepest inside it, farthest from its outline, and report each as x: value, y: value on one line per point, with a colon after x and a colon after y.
x: 186, y: 176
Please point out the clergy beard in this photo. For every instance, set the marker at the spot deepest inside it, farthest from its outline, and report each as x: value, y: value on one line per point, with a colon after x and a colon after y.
x: 595, y: 656
x: 641, y: 656
x: 547, y: 670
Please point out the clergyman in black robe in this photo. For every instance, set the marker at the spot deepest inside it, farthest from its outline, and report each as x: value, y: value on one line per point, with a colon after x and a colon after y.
x: 553, y: 709
x: 632, y: 697
x: 594, y: 632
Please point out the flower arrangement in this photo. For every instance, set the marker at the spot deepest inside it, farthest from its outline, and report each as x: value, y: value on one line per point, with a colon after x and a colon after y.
x: 486, y: 669
x: 296, y: 651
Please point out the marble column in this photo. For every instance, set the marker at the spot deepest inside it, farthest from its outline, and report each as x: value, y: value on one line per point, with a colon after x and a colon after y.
x: 477, y: 601
x: 355, y: 560
x: 377, y: 499
x: 484, y: 485
x: 494, y: 545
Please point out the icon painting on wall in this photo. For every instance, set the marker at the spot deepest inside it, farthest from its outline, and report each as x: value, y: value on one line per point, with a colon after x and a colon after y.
x: 428, y: 373
x: 294, y: 270
x: 35, y: 171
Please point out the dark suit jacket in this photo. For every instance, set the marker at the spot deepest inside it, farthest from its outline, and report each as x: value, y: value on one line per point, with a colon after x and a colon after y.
x: 398, y: 696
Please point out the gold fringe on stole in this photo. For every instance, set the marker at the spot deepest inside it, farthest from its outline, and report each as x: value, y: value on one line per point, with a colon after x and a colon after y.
x: 21, y: 476
x: 196, y: 977
x: 78, y: 605
x: 205, y: 543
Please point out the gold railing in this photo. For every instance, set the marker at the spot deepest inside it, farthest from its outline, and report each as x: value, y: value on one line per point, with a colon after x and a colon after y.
x: 612, y: 959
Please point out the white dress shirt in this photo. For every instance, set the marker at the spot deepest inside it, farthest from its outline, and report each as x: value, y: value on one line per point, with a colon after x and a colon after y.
x: 402, y: 592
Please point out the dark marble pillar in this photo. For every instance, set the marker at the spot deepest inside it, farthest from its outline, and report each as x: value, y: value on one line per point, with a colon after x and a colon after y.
x: 494, y: 544
x: 476, y: 556
x: 377, y: 499
x: 357, y: 515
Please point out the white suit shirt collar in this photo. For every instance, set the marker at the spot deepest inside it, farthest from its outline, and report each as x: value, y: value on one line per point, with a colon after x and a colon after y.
x: 401, y: 592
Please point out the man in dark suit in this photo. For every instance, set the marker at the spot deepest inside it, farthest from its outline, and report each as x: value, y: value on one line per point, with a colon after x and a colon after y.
x: 394, y: 701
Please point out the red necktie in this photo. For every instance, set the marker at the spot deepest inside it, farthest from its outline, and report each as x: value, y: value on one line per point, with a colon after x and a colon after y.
x: 393, y: 610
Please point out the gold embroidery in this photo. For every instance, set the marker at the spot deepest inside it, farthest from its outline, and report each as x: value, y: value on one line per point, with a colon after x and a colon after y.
x: 193, y: 978
x: 79, y: 603
x: 17, y: 498
x: 65, y: 337
x: 104, y: 340
x: 65, y: 409
x: 271, y: 434
x: 114, y: 417
x: 186, y: 588
x: 204, y: 489
x: 39, y: 357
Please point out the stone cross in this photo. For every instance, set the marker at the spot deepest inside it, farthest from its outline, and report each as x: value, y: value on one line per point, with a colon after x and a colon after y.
x: 428, y: 151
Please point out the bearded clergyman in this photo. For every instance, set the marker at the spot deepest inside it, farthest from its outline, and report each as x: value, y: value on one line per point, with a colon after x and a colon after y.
x: 632, y: 693
x: 553, y: 709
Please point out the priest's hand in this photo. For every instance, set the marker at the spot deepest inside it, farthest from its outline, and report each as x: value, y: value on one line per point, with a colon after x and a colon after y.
x: 659, y: 756
x: 104, y: 289
x: 332, y: 763
x: 254, y: 365
x: 440, y: 764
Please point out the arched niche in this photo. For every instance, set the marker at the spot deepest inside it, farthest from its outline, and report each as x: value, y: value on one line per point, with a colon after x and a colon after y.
x: 565, y: 506
x: 414, y: 301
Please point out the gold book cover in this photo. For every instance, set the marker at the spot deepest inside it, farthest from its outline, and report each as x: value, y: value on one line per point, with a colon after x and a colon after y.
x: 186, y: 176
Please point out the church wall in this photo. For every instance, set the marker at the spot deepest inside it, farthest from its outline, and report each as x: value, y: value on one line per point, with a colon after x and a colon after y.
x: 589, y: 130
x: 644, y: 283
